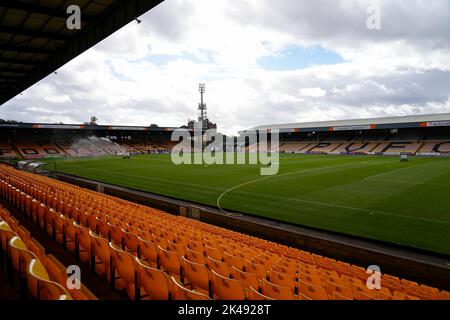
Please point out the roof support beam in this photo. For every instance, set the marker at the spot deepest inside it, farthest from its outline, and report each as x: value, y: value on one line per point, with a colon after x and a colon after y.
x: 14, y: 48
x: 33, y: 33
x: 20, y: 61
x: 36, y: 8
x: 13, y: 70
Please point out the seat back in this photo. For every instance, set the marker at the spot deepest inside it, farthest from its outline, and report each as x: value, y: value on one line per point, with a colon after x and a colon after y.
x: 148, y: 251
x: 169, y: 261
x: 100, y: 247
x: 155, y: 282
x: 226, y: 288
x: 195, y: 256
x: 282, y: 279
x: 196, y: 274
x: 276, y: 292
x: 256, y: 295
x: 35, y: 274
x: 130, y: 241
x: 312, y: 292
x: 218, y: 266
x: 247, y: 279
x: 178, y: 292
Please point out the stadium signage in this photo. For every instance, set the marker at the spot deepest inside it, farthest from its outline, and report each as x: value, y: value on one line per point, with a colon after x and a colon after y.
x: 349, y: 128
x: 438, y: 124
x: 206, y: 147
x: 57, y: 126
x: 129, y: 128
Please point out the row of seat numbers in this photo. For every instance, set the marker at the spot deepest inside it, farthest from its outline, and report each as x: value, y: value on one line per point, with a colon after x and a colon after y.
x: 247, y: 309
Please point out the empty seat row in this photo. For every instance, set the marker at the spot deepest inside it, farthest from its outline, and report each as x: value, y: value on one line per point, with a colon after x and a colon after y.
x: 43, y: 276
x: 95, y: 227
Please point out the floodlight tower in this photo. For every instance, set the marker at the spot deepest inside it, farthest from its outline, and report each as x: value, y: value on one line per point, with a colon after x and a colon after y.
x: 202, y: 106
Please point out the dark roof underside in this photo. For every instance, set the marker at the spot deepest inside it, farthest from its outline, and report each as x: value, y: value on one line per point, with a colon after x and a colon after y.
x: 34, y: 39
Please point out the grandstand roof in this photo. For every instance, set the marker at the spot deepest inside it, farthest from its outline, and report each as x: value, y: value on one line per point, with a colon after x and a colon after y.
x: 35, y: 41
x: 58, y: 126
x: 370, y: 123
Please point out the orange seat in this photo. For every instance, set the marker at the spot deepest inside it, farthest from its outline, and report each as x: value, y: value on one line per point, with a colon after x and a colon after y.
x: 115, y: 234
x: 339, y: 292
x: 169, y: 261
x: 82, y: 243
x: 256, y: 295
x: 214, y: 253
x: 101, y: 256
x: 247, y: 279
x: 196, y: 275
x: 40, y: 285
x: 148, y: 252
x: 218, y: 266
x: 227, y: 289
x: 155, y: 282
x: 195, y: 256
x: 69, y: 233
x: 282, y: 279
x: 130, y: 242
x: 275, y: 291
x: 178, y: 248
x: 233, y: 261
x: 259, y: 269
x: 178, y: 292
x: 124, y: 263
x: 196, y: 246
x: 311, y: 292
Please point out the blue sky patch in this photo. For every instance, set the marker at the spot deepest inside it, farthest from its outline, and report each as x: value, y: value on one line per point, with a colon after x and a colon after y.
x: 297, y: 57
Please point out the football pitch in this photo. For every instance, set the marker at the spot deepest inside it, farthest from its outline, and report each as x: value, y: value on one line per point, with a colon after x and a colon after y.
x: 376, y: 197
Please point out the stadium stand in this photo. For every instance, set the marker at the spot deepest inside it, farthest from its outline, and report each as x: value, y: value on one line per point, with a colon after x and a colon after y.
x: 43, y: 275
x: 7, y: 151
x: 30, y: 150
x: 151, y: 254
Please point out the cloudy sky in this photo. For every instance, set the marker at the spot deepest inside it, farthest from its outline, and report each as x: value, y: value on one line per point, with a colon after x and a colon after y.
x: 263, y: 62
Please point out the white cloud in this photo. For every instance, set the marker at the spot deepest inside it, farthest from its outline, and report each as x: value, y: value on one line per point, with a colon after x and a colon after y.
x: 313, y: 92
x: 404, y: 68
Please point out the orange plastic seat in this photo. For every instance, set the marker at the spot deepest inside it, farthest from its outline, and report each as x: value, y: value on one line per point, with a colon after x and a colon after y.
x: 195, y: 256
x: 69, y: 233
x: 148, y: 252
x: 219, y: 267
x: 169, y: 261
x: 101, y: 256
x: 233, y: 261
x: 178, y: 248
x: 247, y: 279
x: 155, y: 282
x: 196, y: 275
x: 311, y: 292
x: 282, y: 279
x: 227, y: 289
x: 213, y: 253
x: 339, y: 292
x: 115, y: 234
x: 256, y: 295
x: 275, y: 291
x: 83, y: 243
x: 130, y: 242
x: 40, y: 285
x: 178, y: 292
x: 124, y: 263
x: 259, y: 269
x: 196, y: 246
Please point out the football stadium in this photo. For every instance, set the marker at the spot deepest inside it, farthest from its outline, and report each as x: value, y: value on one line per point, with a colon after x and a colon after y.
x: 357, y: 208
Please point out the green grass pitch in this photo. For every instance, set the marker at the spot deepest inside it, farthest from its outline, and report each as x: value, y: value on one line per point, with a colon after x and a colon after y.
x: 406, y: 203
